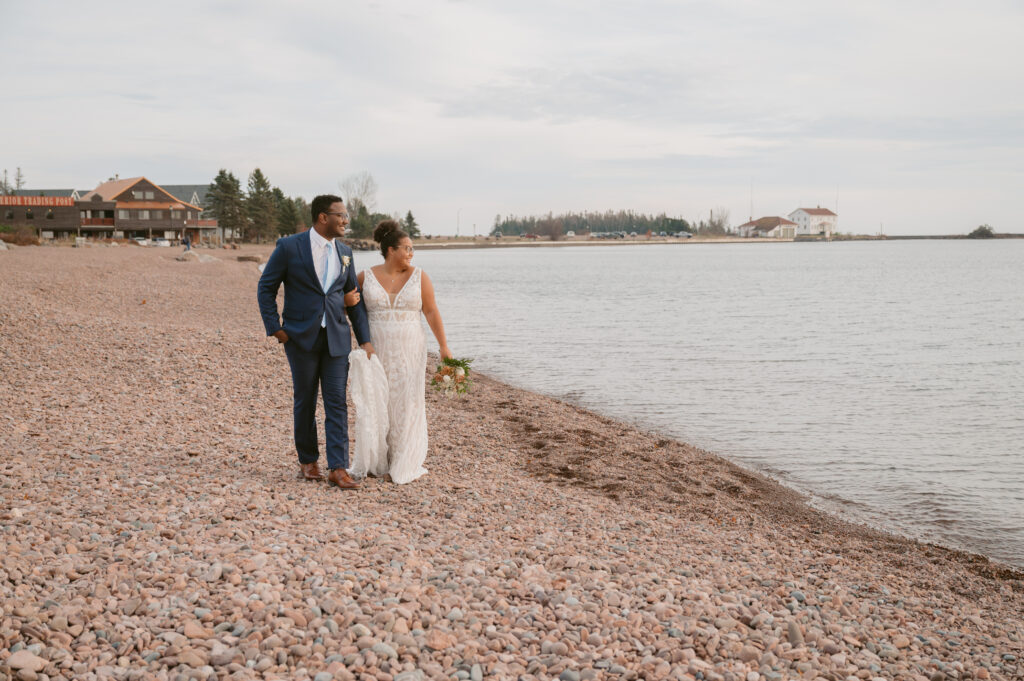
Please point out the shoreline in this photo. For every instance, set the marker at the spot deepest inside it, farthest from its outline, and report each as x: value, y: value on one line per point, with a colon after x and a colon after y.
x: 149, y: 495
x: 508, y: 242
x: 800, y: 503
x: 760, y: 491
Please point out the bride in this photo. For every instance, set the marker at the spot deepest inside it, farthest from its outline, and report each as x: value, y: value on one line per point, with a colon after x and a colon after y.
x: 395, y: 294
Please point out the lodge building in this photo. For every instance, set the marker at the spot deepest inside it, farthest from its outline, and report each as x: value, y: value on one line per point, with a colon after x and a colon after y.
x: 117, y: 209
x: 52, y: 213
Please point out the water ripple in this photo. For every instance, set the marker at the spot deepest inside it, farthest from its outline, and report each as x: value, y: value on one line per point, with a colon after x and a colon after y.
x: 882, y: 378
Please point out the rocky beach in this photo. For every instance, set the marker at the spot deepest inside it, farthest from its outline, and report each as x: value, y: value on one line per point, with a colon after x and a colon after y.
x: 152, y: 526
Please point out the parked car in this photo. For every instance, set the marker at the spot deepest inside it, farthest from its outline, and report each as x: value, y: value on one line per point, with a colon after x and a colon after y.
x: 632, y: 234
x: 162, y: 242
x: 662, y: 234
x: 684, y: 235
x: 141, y: 241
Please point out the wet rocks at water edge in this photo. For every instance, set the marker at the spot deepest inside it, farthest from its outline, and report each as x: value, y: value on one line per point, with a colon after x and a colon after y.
x: 153, y: 528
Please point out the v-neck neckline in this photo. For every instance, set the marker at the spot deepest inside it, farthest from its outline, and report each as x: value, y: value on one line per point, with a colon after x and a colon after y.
x: 392, y: 301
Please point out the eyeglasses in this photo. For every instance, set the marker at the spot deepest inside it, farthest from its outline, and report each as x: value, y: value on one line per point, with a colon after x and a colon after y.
x: 341, y: 215
x: 407, y: 249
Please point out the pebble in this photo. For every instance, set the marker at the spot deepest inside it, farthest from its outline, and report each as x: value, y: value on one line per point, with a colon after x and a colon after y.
x: 796, y: 637
x: 151, y: 478
x: 25, y: 659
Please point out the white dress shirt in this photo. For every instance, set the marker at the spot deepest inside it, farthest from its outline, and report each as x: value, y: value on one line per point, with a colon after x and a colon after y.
x: 319, y: 246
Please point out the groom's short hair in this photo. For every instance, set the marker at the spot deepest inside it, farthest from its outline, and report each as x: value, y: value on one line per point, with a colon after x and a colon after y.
x: 322, y: 204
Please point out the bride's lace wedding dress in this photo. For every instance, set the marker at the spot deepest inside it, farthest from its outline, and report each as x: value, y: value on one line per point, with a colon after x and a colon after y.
x: 397, y: 335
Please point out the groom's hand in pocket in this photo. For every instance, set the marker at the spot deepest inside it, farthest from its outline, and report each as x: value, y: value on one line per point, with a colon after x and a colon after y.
x: 281, y: 335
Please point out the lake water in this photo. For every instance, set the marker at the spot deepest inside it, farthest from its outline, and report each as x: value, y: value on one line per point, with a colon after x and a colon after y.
x: 885, y: 379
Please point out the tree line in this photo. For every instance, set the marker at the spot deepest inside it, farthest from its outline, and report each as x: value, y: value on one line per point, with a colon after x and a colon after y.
x: 260, y: 213
x: 555, y: 226
x: 263, y: 212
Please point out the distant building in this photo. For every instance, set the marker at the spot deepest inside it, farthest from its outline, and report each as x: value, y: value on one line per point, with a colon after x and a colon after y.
x: 814, y: 221
x: 773, y: 227
x: 141, y: 209
x: 71, y: 193
x: 191, y: 193
x: 47, y: 212
x: 119, y: 209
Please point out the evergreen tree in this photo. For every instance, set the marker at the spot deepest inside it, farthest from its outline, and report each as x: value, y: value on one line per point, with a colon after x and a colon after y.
x: 361, y: 223
x: 303, y: 212
x: 259, y: 208
x: 226, y: 201
x: 287, y: 214
x: 590, y: 222
x: 410, y: 226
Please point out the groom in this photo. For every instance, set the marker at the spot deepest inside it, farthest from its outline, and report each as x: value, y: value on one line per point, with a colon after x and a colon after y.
x: 317, y: 272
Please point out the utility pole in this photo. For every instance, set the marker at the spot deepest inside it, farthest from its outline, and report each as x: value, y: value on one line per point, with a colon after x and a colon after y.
x: 751, y: 199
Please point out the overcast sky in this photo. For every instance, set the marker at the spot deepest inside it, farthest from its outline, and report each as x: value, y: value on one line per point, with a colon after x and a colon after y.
x: 910, y: 114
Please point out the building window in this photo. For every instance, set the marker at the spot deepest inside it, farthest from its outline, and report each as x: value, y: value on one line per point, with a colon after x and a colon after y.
x: 49, y: 214
x: 158, y: 215
x: 137, y: 196
x: 28, y: 214
x: 190, y: 215
x: 143, y: 214
x: 175, y: 214
x: 9, y: 214
x: 149, y: 196
x: 122, y: 215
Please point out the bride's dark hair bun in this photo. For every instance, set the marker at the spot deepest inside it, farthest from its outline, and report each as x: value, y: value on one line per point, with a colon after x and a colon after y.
x: 388, y: 234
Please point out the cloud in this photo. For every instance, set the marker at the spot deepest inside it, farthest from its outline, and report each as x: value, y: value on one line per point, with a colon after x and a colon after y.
x: 530, y: 106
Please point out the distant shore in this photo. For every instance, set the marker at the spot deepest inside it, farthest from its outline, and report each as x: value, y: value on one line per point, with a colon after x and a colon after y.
x: 451, y: 243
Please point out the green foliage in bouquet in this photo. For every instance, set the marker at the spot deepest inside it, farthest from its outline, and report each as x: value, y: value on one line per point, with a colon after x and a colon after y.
x: 452, y: 377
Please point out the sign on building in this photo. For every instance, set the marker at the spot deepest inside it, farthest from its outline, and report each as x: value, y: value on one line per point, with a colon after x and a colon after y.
x: 52, y: 201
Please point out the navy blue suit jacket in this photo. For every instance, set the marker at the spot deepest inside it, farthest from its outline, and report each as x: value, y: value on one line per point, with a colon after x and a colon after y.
x: 305, y: 302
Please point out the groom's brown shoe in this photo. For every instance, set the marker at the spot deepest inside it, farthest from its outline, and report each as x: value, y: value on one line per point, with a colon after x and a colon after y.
x: 341, y: 478
x: 310, y: 471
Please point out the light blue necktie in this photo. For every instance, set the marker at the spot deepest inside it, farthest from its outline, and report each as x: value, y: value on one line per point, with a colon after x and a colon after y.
x: 327, y: 266
x: 328, y: 279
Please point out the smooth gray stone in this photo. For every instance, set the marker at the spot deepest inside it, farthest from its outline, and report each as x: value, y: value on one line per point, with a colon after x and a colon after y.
x: 414, y: 675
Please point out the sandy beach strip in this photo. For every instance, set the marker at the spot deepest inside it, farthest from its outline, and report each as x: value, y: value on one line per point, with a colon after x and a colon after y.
x: 151, y: 525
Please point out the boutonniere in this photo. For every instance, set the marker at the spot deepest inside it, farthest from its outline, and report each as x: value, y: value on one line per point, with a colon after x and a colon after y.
x: 345, y: 260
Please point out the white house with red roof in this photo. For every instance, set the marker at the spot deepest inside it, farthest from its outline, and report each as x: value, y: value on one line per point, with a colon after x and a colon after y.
x: 814, y: 221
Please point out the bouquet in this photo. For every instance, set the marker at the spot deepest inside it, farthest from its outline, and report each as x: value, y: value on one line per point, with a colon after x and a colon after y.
x: 452, y: 377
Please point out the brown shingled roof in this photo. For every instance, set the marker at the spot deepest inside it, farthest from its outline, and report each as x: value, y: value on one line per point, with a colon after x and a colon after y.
x: 157, y: 205
x: 109, y: 190
x: 817, y: 211
x: 768, y: 223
